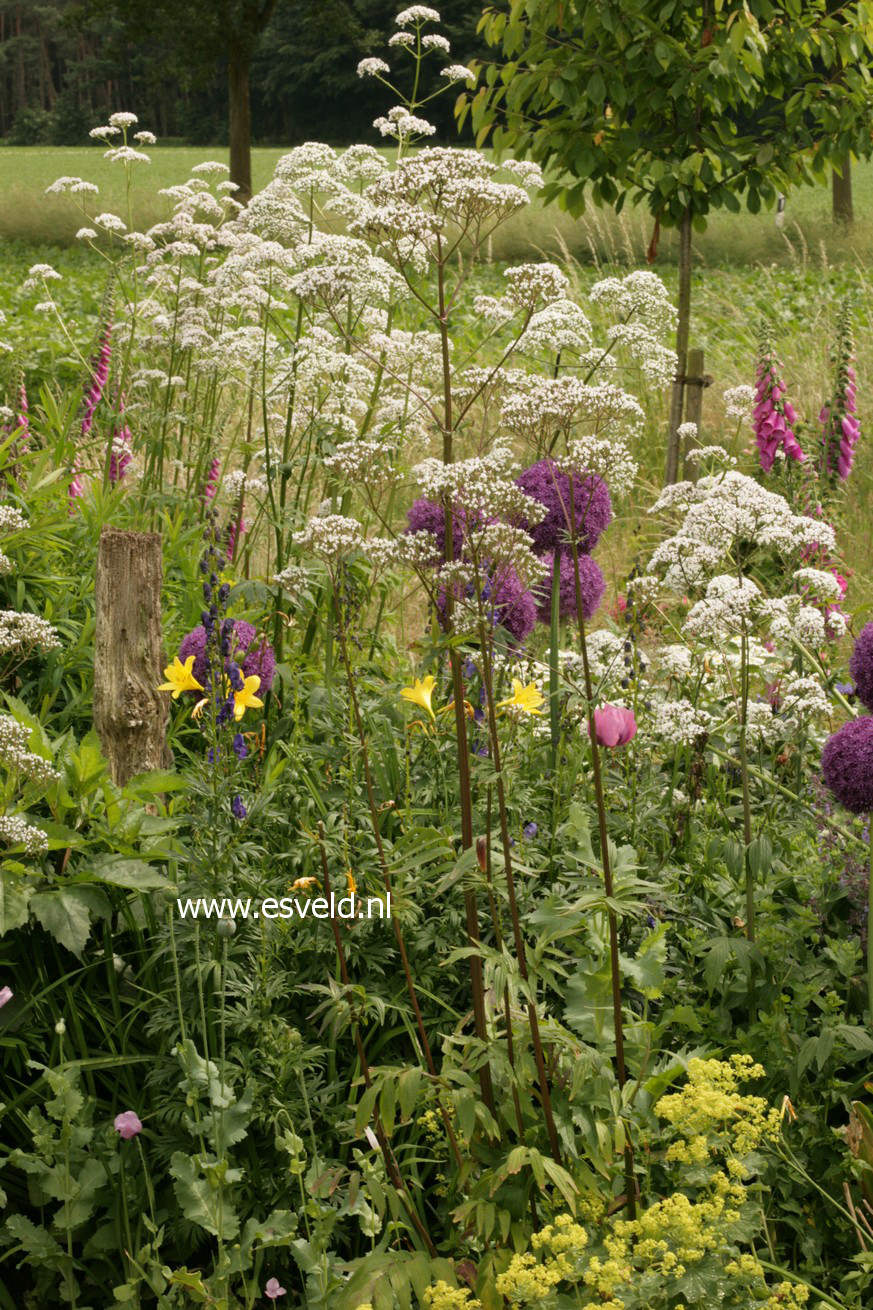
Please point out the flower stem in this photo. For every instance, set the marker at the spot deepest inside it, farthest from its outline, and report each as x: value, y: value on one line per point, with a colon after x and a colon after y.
x: 615, y: 966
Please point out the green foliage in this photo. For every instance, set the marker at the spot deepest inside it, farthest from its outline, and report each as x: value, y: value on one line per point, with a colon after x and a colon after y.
x: 696, y: 109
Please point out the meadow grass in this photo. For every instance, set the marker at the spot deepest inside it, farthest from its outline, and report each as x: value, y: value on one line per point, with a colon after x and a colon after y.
x: 27, y: 214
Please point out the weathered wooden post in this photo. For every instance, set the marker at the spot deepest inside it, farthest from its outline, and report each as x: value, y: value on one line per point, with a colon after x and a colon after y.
x: 130, y: 715
x: 695, y: 383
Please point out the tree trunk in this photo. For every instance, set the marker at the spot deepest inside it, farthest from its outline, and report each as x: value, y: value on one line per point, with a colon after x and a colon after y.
x: 682, y: 330
x: 130, y: 714
x: 240, y: 120
x: 841, y: 192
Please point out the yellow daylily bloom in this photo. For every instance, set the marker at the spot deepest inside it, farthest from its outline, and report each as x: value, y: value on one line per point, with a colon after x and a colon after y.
x: 529, y: 698
x: 180, y: 677
x: 303, y: 883
x: 199, y: 708
x: 420, y: 693
x: 246, y: 699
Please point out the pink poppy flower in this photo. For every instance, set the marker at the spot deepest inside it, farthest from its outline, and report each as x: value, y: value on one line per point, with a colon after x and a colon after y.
x: 128, y: 1124
x: 273, y: 1289
x: 5, y: 996
x: 614, y: 726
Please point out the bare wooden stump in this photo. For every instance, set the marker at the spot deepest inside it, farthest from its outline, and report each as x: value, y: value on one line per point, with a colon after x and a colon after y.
x: 130, y: 715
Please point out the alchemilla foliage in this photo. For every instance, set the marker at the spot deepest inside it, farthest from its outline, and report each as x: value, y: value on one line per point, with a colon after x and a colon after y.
x: 435, y: 643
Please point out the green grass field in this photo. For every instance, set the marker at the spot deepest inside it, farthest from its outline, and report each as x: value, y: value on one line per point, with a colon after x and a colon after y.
x: 27, y: 214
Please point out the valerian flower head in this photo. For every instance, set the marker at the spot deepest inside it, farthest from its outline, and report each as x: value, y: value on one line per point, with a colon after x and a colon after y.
x: 330, y: 535
x: 528, y: 285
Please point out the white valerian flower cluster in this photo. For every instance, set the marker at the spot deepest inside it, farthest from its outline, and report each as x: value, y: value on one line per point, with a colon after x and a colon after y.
x: 708, y: 454
x: 16, y: 755
x: 820, y: 583
x: 739, y: 402
x: 38, y: 276
x: 641, y: 296
x: 22, y: 633
x: 791, y: 620
x: 722, y: 512
x: 357, y: 461
x: 543, y: 407
x: 17, y: 832
x: 560, y: 327
x: 403, y: 125
x: 330, y: 535
x: 727, y: 604
x: 11, y: 520
x: 675, y: 661
x: 802, y: 698
x: 679, y: 723
x: 482, y: 488
x: 608, y: 458
x: 528, y: 285
x: 656, y: 361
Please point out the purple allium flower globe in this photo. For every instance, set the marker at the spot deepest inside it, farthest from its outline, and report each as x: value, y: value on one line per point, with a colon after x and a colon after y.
x: 253, y: 655
x: 592, y: 585
x: 847, y: 764
x: 861, y: 666
x: 545, y: 482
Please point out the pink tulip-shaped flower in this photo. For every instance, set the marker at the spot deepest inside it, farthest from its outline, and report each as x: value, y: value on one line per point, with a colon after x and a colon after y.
x: 128, y: 1124
x: 614, y: 726
x: 5, y: 996
x: 273, y: 1290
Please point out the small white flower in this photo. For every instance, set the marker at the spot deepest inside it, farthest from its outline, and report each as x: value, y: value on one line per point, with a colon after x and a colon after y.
x: 122, y: 119
x: 371, y: 67
x: 145, y: 138
x: 104, y: 133
x: 435, y: 42
x: 210, y: 166
x: 739, y: 402
x: 417, y: 14
x: 457, y: 73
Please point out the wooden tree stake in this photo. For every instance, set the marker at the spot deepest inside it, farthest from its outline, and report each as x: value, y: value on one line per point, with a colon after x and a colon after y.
x: 695, y: 382
x: 130, y: 714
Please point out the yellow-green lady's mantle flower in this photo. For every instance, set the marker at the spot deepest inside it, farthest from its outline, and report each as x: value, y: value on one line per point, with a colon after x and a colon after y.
x: 421, y: 693
x: 245, y: 698
x: 528, y: 699
x: 180, y: 677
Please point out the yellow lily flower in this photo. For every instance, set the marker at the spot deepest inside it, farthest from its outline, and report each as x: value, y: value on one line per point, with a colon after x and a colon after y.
x: 528, y: 699
x: 199, y: 708
x: 246, y: 699
x: 180, y: 678
x: 420, y: 693
x: 302, y: 884
x: 350, y: 883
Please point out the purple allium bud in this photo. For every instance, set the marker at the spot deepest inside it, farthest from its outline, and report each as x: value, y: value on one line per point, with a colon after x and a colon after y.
x: 847, y: 764
x: 592, y: 507
x: 237, y: 809
x: 591, y: 584
x: 861, y: 666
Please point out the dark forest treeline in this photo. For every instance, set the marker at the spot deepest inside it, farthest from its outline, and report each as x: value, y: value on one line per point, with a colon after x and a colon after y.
x: 66, y: 64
